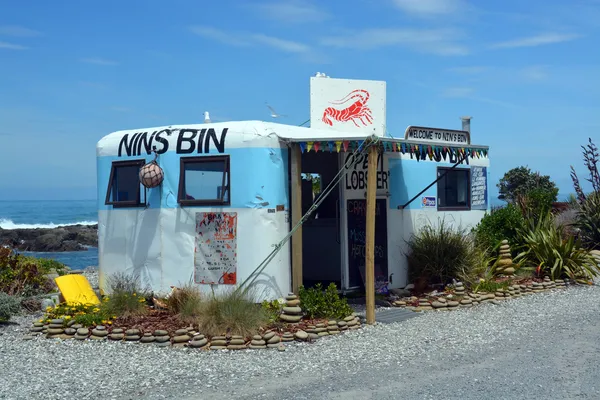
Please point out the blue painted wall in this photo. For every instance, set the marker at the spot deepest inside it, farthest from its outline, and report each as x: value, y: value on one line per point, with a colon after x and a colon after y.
x: 258, y: 176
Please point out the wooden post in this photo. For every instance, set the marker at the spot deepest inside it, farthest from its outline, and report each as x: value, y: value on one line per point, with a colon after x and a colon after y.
x: 296, y: 189
x: 370, y: 235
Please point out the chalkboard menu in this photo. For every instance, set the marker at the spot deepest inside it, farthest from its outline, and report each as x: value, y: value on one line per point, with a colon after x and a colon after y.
x: 479, y: 192
x: 357, y: 214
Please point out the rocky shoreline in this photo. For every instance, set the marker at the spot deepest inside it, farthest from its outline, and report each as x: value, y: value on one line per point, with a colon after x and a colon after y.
x: 60, y: 239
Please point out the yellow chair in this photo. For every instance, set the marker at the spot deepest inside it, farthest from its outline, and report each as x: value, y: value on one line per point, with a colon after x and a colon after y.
x: 76, y: 289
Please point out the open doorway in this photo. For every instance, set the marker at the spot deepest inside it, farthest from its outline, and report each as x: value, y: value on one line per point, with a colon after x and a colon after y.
x: 321, y: 240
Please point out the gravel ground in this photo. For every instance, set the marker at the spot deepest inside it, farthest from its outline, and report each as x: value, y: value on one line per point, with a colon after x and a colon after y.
x: 541, y: 346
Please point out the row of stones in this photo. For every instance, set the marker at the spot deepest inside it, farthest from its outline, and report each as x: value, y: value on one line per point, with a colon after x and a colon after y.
x: 188, y: 337
x: 472, y: 299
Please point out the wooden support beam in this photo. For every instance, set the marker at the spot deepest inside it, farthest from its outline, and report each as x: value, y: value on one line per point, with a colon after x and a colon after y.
x: 296, y: 193
x: 370, y: 235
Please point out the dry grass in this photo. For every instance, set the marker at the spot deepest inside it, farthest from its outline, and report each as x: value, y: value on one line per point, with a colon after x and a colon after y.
x: 235, y: 312
x: 185, y: 303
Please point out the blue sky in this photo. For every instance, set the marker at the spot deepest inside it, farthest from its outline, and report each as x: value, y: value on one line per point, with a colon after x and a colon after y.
x: 72, y: 71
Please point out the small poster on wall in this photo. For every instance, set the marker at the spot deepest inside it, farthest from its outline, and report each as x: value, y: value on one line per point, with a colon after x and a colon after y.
x: 215, y: 253
x: 479, y: 192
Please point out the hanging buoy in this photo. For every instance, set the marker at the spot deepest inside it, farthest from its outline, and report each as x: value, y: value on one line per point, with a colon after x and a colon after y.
x: 151, y: 174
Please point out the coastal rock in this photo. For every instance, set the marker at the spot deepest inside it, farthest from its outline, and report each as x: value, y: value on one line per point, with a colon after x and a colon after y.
x: 65, y: 238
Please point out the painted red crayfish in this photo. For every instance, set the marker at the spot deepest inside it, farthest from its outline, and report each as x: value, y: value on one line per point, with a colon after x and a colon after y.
x: 356, y: 111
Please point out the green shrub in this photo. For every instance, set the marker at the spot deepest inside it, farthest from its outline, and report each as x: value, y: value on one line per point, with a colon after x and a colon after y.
x: 319, y: 303
x: 85, y: 314
x: 185, y: 303
x: 234, y: 312
x: 126, y: 298
x: 48, y: 265
x: 502, y: 223
x: 546, y: 249
x: 536, y: 202
x: 438, y: 254
x: 9, y: 306
x: 22, y: 276
x: 272, y: 309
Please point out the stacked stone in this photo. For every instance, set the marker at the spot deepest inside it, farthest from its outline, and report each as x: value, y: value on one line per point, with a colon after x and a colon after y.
x: 218, y: 343
x: 459, y: 289
x: 69, y: 333
x: 132, y: 335
x: 82, y: 333
x: 45, y: 328
x: 181, y: 337
x: 116, y: 334
x: 162, y: 338
x: 529, y: 289
x: 486, y: 297
x: 474, y: 298
x: 505, y: 264
x: 55, y: 328
x: 147, y: 338
x: 292, y: 312
x: 301, y: 335
x: 424, y: 305
x: 501, y: 294
x: 466, y: 302
x: 258, y: 342
x: 198, y: 341
x: 272, y: 339
x: 399, y: 303
x: 523, y: 290
x: 99, y: 333
x: 516, y: 290
x: 312, y: 332
x: 560, y: 283
x: 332, y: 327
x: 511, y: 291
x: 236, y: 342
x: 353, y: 321
x: 548, y: 284
x: 321, y: 330
x: 36, y: 329
x: 537, y: 287
x: 287, y: 337
x: 342, y: 326
x: 440, y: 304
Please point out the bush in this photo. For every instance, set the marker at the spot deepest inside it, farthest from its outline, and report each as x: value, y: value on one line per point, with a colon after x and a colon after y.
x: 319, y: 303
x: 587, y: 221
x: 9, y: 306
x: 502, y: 223
x: 536, y: 202
x: 233, y: 312
x: 438, y: 254
x: 127, y: 298
x: 185, y: 303
x: 23, y: 276
x: 549, y: 252
x: 272, y: 309
x: 85, y: 314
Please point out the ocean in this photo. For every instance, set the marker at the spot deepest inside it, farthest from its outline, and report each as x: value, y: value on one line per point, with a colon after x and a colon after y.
x: 51, y: 214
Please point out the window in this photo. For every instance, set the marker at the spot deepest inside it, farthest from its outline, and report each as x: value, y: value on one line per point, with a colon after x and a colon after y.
x: 124, y: 186
x: 204, y: 181
x: 453, y: 189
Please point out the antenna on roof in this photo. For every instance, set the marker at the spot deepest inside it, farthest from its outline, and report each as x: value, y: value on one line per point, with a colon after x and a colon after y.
x: 206, y: 117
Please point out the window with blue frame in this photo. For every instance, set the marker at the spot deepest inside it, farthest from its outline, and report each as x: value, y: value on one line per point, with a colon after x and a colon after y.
x: 204, y: 181
x: 453, y: 189
x: 124, y: 186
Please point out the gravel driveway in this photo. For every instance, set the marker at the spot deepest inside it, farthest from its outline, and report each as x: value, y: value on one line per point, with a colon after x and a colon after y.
x: 543, y: 346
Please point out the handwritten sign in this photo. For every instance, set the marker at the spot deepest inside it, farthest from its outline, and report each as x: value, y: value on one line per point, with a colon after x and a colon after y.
x: 479, y: 191
x: 437, y: 135
x: 215, y: 255
x: 357, y: 216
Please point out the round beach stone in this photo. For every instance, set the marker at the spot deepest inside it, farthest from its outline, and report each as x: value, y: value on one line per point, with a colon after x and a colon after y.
x: 268, y: 335
x: 181, y: 339
x: 292, y: 303
x: 198, y: 337
x: 180, y: 332
x: 38, y: 324
x: 301, y: 335
x: 198, y: 343
x: 131, y: 332
x: 257, y: 347
x: 217, y: 343
x: 292, y: 310
x: 342, y: 323
x: 59, y: 321
x: 99, y: 332
x: 256, y: 337
x: 70, y: 331
x: 349, y: 318
x: 76, y: 326
x: 147, y: 339
x: 453, y: 303
x: 55, y: 331
x: 71, y: 323
x: 236, y: 347
x: 132, y: 338
x: 100, y: 327
x: 287, y: 337
x: 36, y: 329
x: 80, y: 337
x: 55, y: 326
x: 160, y: 332
x: 163, y: 344
x: 162, y: 339
x: 117, y: 330
x: 116, y: 336
x: 437, y: 304
x: 291, y: 296
x: 323, y: 333
x: 94, y: 337
x: 256, y: 342
x: 83, y: 331
x: 290, y: 318
x: 219, y: 338
x: 237, y: 342
x: 273, y: 340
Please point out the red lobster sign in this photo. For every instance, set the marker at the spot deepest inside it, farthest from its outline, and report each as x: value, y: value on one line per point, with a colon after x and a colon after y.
x: 355, y: 111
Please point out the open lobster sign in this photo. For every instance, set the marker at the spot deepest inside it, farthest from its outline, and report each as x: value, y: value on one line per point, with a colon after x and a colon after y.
x: 348, y: 105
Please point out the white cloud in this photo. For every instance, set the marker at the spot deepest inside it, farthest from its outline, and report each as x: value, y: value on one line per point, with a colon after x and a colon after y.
x: 435, y: 41
x: 11, y: 46
x: 99, y: 61
x: 17, y: 31
x: 538, y: 40
x: 257, y: 39
x: 430, y: 7
x: 291, y: 11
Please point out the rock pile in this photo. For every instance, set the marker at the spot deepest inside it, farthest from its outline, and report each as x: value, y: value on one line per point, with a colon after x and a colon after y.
x: 181, y: 337
x: 55, y: 328
x: 99, y: 333
x: 82, y: 333
x: 291, y: 313
x: 459, y: 289
x: 162, y: 338
x: 198, y: 342
x: 132, y: 335
x: 505, y: 264
x: 116, y: 334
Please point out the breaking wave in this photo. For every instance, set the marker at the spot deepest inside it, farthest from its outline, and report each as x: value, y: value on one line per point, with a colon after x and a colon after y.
x: 9, y: 224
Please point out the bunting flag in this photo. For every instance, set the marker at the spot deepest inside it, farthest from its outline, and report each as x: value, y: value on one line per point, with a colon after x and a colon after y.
x: 421, y: 151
